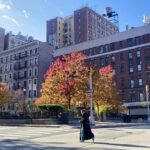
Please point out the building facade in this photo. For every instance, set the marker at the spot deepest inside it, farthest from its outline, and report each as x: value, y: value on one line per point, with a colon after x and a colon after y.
x: 12, y: 40
x: 89, y: 25
x: 23, y: 67
x: 55, y: 32
x: 2, y: 37
x: 128, y: 53
x: 85, y: 24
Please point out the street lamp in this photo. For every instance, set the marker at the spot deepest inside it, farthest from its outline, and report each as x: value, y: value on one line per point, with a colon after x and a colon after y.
x: 24, y: 107
x: 91, y: 99
x: 147, y: 99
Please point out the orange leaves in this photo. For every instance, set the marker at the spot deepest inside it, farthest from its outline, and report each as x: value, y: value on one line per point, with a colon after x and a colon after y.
x: 65, y: 80
x: 4, y: 94
x: 105, y: 91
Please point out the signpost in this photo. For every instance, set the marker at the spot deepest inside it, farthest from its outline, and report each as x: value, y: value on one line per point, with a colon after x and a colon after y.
x: 147, y: 99
x: 91, y: 100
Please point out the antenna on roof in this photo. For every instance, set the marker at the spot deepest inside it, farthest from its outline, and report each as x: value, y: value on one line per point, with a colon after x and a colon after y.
x: 111, y: 16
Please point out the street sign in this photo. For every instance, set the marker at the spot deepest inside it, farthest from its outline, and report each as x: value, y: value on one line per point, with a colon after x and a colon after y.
x: 88, y: 95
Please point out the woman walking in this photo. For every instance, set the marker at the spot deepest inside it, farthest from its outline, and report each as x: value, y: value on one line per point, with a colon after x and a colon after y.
x: 85, y: 131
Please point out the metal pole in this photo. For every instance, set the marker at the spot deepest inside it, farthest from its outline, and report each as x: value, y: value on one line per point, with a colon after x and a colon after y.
x: 147, y: 99
x: 91, y: 99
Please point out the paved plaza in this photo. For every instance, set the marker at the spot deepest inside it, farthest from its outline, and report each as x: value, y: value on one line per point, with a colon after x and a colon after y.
x: 67, y: 138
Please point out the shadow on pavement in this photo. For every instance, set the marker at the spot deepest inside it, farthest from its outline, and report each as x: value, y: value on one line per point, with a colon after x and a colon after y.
x: 16, y: 144
x: 125, y: 145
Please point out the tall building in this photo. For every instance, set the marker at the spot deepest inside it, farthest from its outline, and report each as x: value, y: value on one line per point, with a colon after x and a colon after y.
x: 89, y: 25
x: 128, y: 53
x: 55, y: 32
x: 23, y: 67
x: 12, y: 40
x: 85, y: 24
x: 68, y: 34
x: 2, y: 36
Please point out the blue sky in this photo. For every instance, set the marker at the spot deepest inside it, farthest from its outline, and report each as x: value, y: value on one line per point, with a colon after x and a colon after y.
x: 29, y: 16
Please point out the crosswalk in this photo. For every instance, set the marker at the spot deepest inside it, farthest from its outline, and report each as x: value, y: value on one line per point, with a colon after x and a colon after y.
x: 29, y: 132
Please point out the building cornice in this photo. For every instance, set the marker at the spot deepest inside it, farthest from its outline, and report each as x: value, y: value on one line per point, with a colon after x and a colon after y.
x: 131, y: 33
x: 5, y: 52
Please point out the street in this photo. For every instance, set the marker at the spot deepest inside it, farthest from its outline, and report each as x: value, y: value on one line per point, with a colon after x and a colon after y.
x: 67, y: 138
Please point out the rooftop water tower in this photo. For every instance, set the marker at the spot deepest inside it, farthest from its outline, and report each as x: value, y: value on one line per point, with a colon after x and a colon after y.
x: 111, y: 16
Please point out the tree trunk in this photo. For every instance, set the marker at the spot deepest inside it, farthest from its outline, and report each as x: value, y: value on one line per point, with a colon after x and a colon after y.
x: 69, y: 103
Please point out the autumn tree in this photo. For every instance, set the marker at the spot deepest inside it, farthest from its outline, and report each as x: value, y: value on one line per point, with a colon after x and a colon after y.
x: 65, y: 81
x: 18, y: 99
x: 4, y: 94
x: 105, y: 92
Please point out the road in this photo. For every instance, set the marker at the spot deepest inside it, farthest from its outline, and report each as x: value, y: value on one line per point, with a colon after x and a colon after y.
x: 67, y: 138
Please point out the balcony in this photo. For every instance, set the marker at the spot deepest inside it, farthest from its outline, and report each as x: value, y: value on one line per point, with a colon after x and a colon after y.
x: 18, y: 66
x: 20, y: 76
x: 21, y: 56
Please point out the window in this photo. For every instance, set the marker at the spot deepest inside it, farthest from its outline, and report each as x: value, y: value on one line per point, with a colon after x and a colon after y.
x: 30, y: 93
x: 36, y: 61
x: 35, y: 93
x: 35, y: 72
x: 30, y: 81
x: 129, y: 41
x: 113, y: 59
x: 120, y: 44
x: 139, y: 67
x: 140, y: 82
x: 36, y: 50
x: 24, y: 83
x: 131, y: 69
x: 101, y: 50
x: 141, y: 96
x: 132, y: 83
x: 138, y: 54
x: 30, y: 52
x: 35, y: 81
x: 30, y: 73
x: 1, y: 60
x: 130, y: 55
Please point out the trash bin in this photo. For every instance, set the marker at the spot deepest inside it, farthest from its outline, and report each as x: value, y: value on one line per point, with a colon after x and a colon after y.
x: 65, y: 118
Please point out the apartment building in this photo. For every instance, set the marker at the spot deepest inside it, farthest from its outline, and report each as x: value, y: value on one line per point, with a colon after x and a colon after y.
x: 89, y: 25
x: 23, y: 67
x: 12, y: 40
x: 2, y: 37
x: 68, y: 31
x: 85, y: 24
x: 55, y: 32
x: 128, y: 53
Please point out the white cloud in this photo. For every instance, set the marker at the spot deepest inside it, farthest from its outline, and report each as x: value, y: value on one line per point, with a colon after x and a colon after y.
x: 25, y: 14
x: 4, y: 6
x: 13, y: 20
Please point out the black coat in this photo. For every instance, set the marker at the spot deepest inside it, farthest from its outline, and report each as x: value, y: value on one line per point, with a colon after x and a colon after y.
x: 85, y: 123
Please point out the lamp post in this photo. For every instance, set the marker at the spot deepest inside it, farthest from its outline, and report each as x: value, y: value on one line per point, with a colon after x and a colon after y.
x: 147, y: 99
x: 91, y: 99
x: 24, y: 107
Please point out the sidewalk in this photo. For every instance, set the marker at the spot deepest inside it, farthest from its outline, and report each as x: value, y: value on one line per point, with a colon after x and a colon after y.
x: 109, y: 124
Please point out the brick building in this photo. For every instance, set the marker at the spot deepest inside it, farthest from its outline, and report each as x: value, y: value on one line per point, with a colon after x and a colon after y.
x: 85, y: 24
x: 89, y: 25
x: 128, y: 53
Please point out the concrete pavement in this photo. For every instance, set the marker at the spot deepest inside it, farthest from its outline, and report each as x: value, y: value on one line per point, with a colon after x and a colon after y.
x: 67, y: 138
